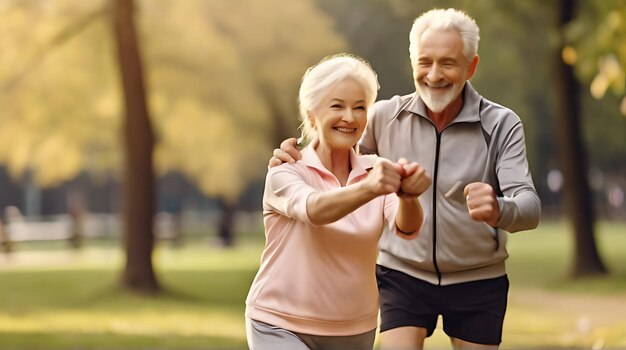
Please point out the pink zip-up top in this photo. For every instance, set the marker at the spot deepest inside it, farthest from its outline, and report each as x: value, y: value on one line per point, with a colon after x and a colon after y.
x: 318, y: 280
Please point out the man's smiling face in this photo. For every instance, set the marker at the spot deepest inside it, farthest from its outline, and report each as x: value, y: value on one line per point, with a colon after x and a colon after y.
x: 441, y: 68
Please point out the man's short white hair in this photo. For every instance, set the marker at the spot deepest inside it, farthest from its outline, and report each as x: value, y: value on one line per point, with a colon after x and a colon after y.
x: 439, y: 19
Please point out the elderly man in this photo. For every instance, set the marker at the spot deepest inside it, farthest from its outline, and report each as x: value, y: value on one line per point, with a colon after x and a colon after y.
x: 481, y: 186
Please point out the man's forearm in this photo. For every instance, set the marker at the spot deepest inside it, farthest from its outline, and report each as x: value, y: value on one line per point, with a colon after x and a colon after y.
x: 519, y: 213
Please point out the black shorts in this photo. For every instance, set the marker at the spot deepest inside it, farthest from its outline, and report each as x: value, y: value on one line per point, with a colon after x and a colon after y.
x: 472, y: 311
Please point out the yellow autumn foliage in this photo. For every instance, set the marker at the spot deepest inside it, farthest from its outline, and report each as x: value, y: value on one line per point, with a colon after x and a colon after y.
x: 221, y: 76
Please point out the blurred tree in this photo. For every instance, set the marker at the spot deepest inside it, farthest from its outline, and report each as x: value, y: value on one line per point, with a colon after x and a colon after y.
x: 43, y: 94
x: 573, y: 156
x: 138, y: 140
x: 225, y: 88
x: 223, y: 81
x: 596, y: 47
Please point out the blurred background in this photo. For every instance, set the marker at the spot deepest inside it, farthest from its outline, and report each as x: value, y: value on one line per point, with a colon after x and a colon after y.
x: 135, y: 135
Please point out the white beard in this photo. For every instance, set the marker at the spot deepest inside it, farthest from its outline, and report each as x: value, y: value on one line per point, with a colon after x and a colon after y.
x: 439, y: 103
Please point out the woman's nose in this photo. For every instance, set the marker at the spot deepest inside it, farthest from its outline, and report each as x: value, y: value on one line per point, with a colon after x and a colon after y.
x: 348, y: 115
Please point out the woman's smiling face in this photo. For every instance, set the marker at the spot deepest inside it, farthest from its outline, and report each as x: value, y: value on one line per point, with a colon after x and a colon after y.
x: 341, y: 116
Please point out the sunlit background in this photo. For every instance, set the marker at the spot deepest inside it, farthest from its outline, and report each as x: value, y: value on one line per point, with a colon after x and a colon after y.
x: 221, y: 79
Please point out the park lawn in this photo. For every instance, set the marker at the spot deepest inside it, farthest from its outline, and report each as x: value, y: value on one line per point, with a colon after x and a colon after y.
x: 69, y: 300
x: 60, y: 299
x: 548, y: 307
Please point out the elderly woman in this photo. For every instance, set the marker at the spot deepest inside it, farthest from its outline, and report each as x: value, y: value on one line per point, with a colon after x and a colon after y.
x: 316, y: 287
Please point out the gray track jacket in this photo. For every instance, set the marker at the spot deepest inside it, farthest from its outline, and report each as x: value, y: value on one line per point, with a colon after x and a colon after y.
x: 484, y: 143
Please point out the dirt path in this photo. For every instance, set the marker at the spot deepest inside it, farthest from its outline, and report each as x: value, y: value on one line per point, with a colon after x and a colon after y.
x: 556, y: 319
x: 599, y: 309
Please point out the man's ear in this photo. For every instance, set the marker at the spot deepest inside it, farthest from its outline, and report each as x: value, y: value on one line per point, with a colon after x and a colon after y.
x: 472, y: 67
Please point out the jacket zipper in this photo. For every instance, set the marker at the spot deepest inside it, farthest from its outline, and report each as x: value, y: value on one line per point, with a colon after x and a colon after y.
x: 434, y: 187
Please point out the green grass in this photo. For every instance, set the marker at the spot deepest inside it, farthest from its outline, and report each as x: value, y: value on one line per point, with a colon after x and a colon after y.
x: 69, y: 300
x: 543, y: 259
x: 53, y: 298
x: 549, y: 308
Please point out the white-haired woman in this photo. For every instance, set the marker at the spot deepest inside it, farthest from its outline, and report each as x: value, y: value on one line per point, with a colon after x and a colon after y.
x: 323, y: 215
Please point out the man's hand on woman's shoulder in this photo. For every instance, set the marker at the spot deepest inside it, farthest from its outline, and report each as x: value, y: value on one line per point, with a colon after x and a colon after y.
x: 287, y: 153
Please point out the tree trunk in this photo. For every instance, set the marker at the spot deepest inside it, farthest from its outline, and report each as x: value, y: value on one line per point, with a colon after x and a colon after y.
x: 5, y: 240
x: 573, y: 158
x: 226, y: 223
x: 76, y: 208
x: 139, y: 194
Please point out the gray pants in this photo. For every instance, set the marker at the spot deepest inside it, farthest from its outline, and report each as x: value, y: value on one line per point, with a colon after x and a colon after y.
x: 262, y: 336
